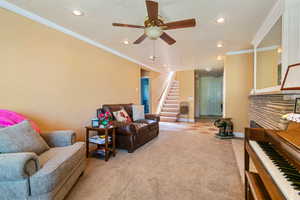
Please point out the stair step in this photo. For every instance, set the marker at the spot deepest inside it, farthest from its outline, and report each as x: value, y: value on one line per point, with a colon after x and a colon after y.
x: 169, y: 101
x: 170, y: 97
x: 168, y: 119
x: 171, y: 106
x: 165, y: 109
x: 173, y: 94
x: 169, y: 114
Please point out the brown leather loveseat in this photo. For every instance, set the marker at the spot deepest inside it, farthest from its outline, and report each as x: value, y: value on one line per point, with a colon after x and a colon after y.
x: 130, y: 136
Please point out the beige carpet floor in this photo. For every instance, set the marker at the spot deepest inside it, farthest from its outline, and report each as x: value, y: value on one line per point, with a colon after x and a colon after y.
x: 186, y: 162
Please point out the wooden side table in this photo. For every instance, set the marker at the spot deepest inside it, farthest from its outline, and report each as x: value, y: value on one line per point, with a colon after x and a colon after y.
x: 107, y: 144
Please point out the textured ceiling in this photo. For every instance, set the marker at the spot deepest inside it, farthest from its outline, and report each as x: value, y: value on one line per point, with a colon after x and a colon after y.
x: 195, y: 47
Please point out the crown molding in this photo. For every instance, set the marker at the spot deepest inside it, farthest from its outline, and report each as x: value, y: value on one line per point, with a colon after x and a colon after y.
x: 267, y: 48
x: 273, y: 16
x: 13, y: 8
x: 247, y: 51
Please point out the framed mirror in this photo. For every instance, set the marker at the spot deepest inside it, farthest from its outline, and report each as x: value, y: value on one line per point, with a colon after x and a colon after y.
x: 268, y: 69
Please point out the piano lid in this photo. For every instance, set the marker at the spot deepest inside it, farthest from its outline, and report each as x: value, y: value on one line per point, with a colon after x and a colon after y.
x: 291, y: 136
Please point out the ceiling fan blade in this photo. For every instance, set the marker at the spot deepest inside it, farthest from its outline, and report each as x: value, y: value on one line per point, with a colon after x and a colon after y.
x: 127, y: 25
x: 152, y: 8
x: 168, y: 39
x: 180, y: 24
x: 140, y: 39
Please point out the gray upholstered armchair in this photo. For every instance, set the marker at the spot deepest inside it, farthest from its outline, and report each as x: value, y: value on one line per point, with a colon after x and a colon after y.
x: 49, y: 175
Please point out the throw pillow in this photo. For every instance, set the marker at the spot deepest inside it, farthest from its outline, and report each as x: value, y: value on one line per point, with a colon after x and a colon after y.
x: 21, y: 138
x: 122, y: 116
x: 138, y: 112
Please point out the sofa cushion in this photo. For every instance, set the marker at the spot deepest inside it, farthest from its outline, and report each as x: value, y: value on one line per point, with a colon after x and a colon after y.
x: 116, y: 107
x: 122, y: 116
x: 57, y: 165
x: 146, y: 121
x: 138, y: 112
x: 21, y: 138
x: 139, y: 125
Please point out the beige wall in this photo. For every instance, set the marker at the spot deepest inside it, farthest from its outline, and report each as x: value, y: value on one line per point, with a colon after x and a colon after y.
x: 238, y: 82
x: 267, y: 69
x: 187, y: 89
x: 56, y: 80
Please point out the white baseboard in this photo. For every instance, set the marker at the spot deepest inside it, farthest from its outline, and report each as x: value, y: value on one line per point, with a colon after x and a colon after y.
x: 239, y: 135
x: 185, y: 120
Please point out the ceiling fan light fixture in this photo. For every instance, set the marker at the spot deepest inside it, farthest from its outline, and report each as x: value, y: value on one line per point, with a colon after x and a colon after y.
x: 153, y: 32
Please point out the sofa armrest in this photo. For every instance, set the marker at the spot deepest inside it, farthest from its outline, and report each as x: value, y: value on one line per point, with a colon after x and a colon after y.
x: 17, y: 166
x: 125, y: 128
x: 153, y: 117
x: 59, y: 138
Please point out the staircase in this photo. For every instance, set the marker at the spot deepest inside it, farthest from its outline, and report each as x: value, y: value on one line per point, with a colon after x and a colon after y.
x: 170, y: 109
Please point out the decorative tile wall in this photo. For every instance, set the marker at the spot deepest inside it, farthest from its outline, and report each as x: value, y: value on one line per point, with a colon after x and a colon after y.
x: 266, y: 110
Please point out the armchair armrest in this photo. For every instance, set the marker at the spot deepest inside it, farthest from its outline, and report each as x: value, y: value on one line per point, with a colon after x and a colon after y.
x: 17, y: 166
x: 153, y: 117
x: 59, y: 138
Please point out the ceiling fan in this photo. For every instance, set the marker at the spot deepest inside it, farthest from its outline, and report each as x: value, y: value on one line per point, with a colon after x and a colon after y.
x: 154, y: 25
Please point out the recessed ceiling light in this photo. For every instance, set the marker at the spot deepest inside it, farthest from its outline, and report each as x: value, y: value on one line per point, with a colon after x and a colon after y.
x: 219, y: 58
x: 219, y: 45
x: 77, y: 12
x: 221, y: 20
x: 126, y: 42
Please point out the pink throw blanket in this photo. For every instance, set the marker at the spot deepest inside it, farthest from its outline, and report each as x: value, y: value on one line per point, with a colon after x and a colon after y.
x: 10, y: 118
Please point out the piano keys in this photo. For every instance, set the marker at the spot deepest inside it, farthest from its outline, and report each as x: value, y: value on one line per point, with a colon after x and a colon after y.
x: 276, y: 157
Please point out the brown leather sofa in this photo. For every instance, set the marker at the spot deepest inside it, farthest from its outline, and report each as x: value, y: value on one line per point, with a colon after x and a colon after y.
x: 130, y: 136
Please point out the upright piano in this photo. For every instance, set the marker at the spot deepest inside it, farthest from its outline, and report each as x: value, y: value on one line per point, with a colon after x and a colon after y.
x: 276, y: 159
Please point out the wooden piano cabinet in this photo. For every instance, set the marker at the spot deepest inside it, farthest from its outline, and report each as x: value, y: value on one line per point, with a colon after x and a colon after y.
x: 256, y: 186
x: 257, y: 134
x: 260, y: 185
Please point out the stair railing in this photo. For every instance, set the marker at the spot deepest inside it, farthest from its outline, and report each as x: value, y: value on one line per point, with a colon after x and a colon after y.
x: 165, y: 92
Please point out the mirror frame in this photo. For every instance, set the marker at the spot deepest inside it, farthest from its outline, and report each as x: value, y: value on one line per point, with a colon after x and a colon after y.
x: 285, y: 77
x: 270, y: 21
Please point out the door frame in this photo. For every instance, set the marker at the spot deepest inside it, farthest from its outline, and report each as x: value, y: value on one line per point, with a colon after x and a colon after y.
x: 150, y: 92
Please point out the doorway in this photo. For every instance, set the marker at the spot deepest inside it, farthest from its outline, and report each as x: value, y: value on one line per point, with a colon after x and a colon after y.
x: 145, y: 93
x: 208, y: 94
